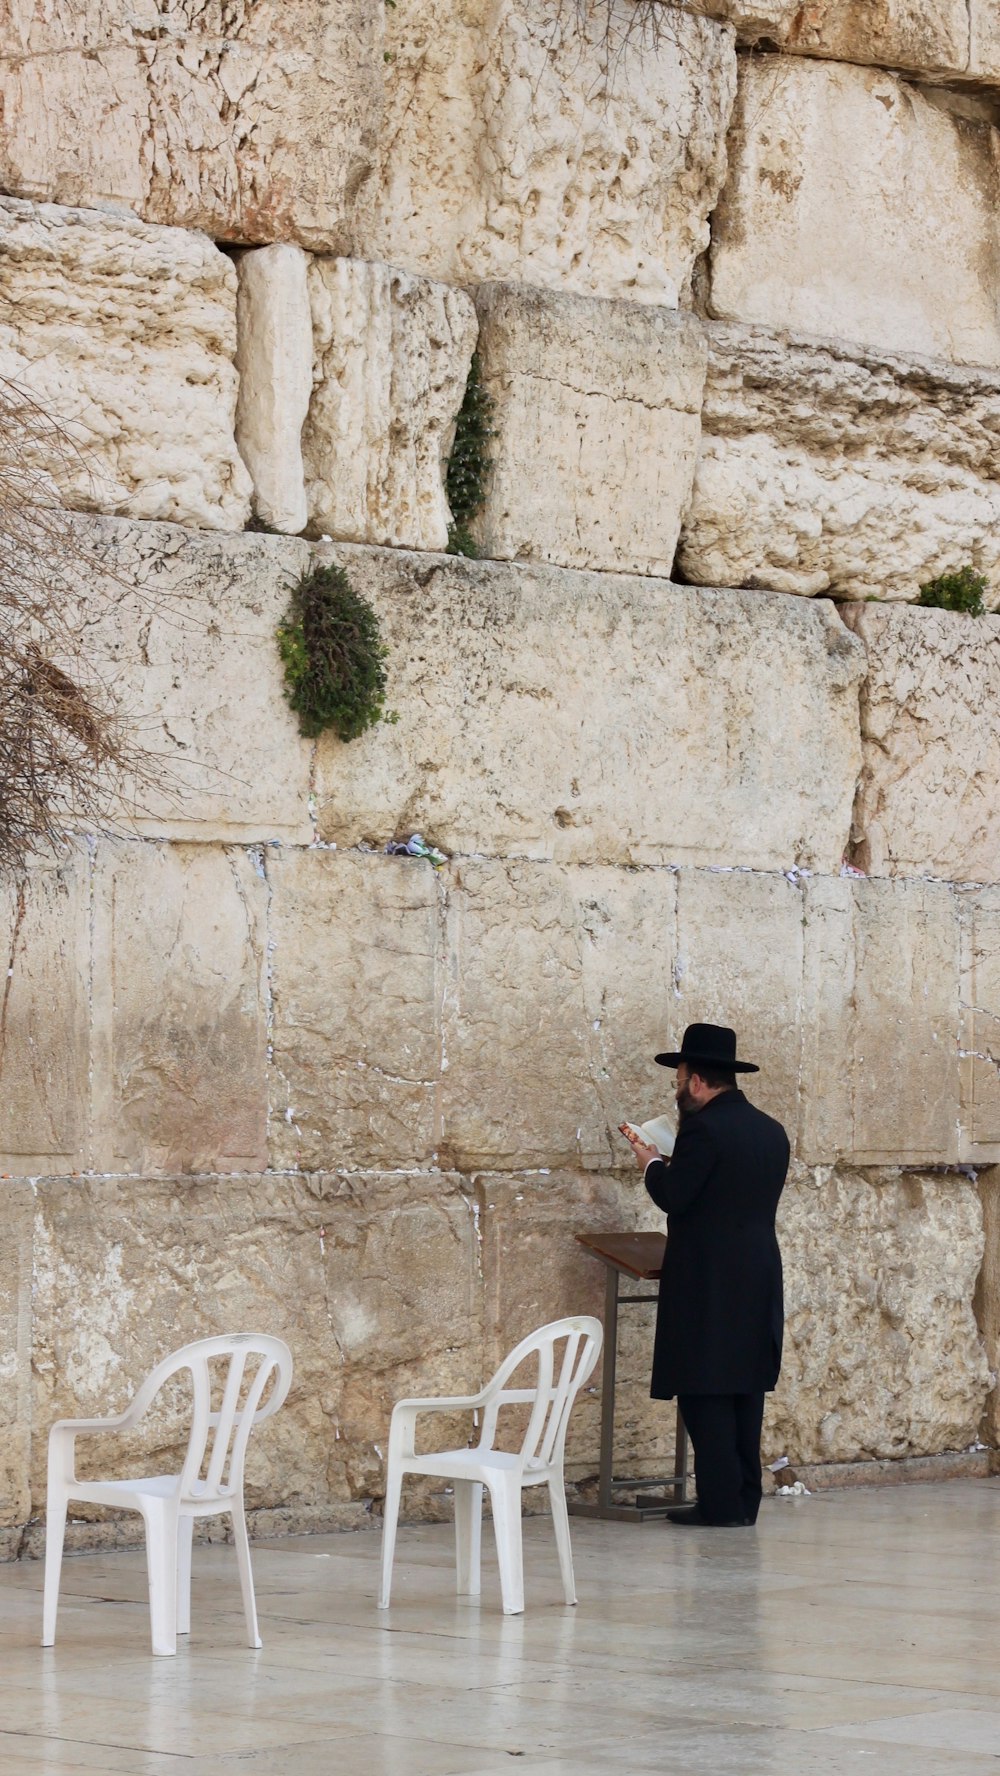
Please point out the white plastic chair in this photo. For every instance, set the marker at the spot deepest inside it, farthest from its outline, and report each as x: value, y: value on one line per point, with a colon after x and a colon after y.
x: 169, y: 1503
x: 538, y: 1462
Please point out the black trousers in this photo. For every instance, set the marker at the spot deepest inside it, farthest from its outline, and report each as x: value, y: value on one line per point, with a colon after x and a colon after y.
x: 725, y: 1434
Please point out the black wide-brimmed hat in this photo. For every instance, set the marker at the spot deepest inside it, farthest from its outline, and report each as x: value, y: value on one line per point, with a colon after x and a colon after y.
x: 713, y: 1045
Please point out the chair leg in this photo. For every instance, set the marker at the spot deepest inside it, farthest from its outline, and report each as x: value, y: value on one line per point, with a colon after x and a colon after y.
x: 506, y: 1500
x: 185, y: 1536
x: 55, y: 1530
x: 161, y: 1565
x: 242, y: 1541
x: 560, y: 1523
x: 468, y: 1536
x: 390, y: 1517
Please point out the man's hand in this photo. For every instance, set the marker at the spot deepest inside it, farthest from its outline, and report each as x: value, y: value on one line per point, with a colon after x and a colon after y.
x: 642, y: 1153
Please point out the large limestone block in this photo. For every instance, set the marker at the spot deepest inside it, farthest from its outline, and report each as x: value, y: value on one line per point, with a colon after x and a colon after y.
x: 17, y: 1209
x: 124, y: 335
x: 185, y: 626
x: 274, y: 360
x: 880, y: 1018
x: 518, y: 147
x: 987, y: 1300
x: 535, y: 1270
x: 830, y: 468
x: 984, y: 45
x: 596, y: 424
x: 557, y: 993
x: 856, y: 209
x: 739, y: 962
x: 929, y: 37
x: 882, y: 1353
x: 929, y: 795
x: 510, y: 740
x: 979, y: 913
x: 391, y: 360
x: 356, y: 1040
x: 372, y: 1281
x: 179, y: 1009
x: 252, y: 121
x: 45, y: 1016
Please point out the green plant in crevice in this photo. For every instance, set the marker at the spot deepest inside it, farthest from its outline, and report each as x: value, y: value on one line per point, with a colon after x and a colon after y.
x: 960, y: 591
x: 469, y: 462
x: 333, y: 655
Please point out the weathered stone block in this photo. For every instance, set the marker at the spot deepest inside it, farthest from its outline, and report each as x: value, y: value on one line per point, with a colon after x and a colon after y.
x: 880, y: 1081
x: 275, y: 363
x: 979, y: 914
x: 392, y: 355
x: 828, y: 468
x: 44, y: 1017
x: 124, y: 336
x: 356, y: 1042
x: 179, y: 1013
x: 987, y: 1298
x: 510, y: 743
x: 519, y: 146
x: 558, y: 989
x: 739, y: 962
x: 882, y: 1353
x: 984, y: 44
x: 929, y: 795
x: 17, y: 1208
x: 855, y: 209
x: 596, y: 422
x: 930, y: 37
x: 255, y: 122
x: 185, y: 626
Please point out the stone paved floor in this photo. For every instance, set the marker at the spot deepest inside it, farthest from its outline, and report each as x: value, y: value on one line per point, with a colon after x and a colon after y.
x: 854, y: 1631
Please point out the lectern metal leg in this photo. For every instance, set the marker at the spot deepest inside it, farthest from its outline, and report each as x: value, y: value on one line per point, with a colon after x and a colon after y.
x: 606, y: 1468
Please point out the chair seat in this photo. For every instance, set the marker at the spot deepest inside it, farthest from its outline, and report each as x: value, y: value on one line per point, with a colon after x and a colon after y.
x: 463, y: 1464
x: 126, y: 1493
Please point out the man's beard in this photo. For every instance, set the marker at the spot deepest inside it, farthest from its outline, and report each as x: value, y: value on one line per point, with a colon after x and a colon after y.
x: 685, y: 1102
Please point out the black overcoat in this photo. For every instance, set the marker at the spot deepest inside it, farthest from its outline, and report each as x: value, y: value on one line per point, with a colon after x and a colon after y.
x: 720, y: 1319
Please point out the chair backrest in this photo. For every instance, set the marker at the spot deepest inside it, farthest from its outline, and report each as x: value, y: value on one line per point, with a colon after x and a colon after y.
x: 560, y: 1378
x: 253, y: 1357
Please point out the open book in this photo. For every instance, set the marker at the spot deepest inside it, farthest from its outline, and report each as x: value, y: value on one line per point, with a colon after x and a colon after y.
x: 659, y: 1132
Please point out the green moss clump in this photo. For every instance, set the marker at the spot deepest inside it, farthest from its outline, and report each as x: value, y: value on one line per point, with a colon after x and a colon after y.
x: 469, y: 463
x: 331, y: 648
x: 961, y: 591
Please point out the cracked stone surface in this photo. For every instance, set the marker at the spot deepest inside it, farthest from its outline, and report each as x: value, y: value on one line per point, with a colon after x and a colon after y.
x: 17, y: 1211
x: 596, y: 422
x: 825, y: 467
x: 927, y: 795
x: 929, y: 37
x: 125, y: 336
x: 979, y: 914
x: 391, y: 360
x: 252, y: 121
x: 517, y: 147
x: 274, y: 357
x: 857, y: 210
x: 509, y: 742
x: 882, y: 1352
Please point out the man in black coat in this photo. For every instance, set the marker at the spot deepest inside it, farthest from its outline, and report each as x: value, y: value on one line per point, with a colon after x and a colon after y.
x: 720, y: 1316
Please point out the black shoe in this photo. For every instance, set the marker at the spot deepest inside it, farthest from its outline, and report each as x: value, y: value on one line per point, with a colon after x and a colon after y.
x: 690, y: 1517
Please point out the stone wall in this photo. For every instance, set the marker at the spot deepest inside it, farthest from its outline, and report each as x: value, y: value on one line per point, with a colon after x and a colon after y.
x: 689, y: 745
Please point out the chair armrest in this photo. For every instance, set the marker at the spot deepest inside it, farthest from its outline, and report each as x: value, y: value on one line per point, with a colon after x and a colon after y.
x: 403, y: 1423
x: 74, y: 1427
x: 442, y: 1403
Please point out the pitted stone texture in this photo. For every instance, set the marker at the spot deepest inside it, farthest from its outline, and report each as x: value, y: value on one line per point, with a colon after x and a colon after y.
x: 987, y: 1300
x: 511, y: 742
x: 558, y: 986
x: 356, y: 1040
x: 929, y: 37
x: 44, y: 1017
x: 125, y: 336
x: 179, y: 1013
x: 829, y: 468
x: 979, y: 914
x: 929, y: 795
x: 520, y: 145
x: 535, y: 1270
x: 596, y: 425
x: 879, y: 1019
x: 17, y: 1209
x: 185, y: 626
x: 275, y: 363
x: 372, y: 1282
x: 882, y: 1353
x: 254, y: 122
x: 857, y: 210
x: 392, y: 356
x: 984, y: 48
